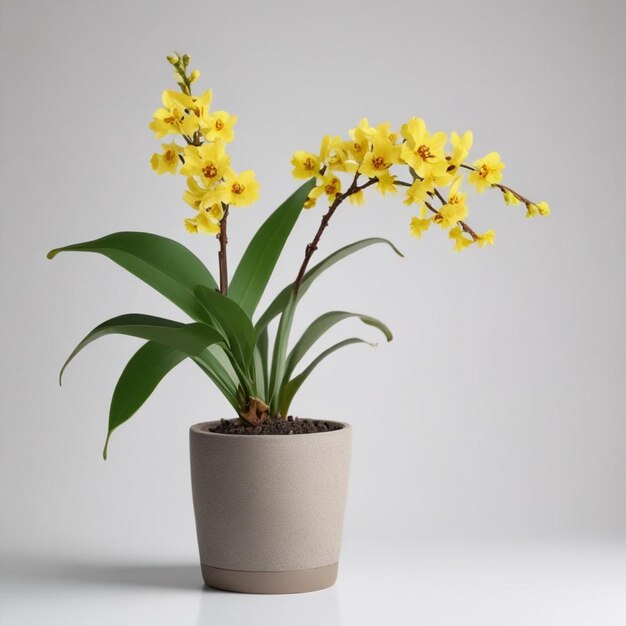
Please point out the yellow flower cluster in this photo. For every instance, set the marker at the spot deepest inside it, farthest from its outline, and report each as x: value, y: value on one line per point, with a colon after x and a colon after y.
x: 374, y: 155
x: 212, y: 184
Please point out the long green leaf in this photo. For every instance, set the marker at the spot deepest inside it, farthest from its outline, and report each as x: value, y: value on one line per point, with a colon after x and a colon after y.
x: 280, y: 351
x: 162, y: 263
x: 281, y: 300
x: 140, y: 377
x: 234, y: 322
x: 191, y: 339
x: 212, y: 367
x: 320, y: 326
x: 290, y: 389
x: 261, y: 255
x: 261, y: 356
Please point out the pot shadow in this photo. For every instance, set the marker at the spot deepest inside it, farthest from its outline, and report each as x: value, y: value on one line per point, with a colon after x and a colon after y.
x: 154, y: 576
x: 164, y: 576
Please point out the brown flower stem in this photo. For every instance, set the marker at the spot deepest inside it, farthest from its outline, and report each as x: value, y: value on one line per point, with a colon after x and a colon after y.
x: 441, y: 198
x: 519, y: 196
x: 221, y: 255
x: 312, y: 247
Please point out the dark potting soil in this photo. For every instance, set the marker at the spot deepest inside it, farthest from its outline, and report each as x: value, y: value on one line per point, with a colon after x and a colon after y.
x: 290, y: 426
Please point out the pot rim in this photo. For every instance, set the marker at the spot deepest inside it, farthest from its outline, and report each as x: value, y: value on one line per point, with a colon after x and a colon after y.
x: 200, y: 429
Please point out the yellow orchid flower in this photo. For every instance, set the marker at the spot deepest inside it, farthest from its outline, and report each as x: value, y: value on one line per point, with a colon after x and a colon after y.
x: 455, y: 209
x: 209, y: 162
x: 309, y: 203
x: 305, y: 164
x: 486, y: 239
x: 174, y: 117
x: 386, y: 183
x: 355, y: 150
x: 201, y: 223
x: 334, y: 155
x: 488, y: 172
x: 359, y: 144
x: 423, y: 151
x: 379, y: 158
x: 357, y: 198
x: 219, y: 125
x: 460, y: 240
x: 200, y: 105
x: 216, y: 212
x: 419, y: 226
x: 194, y: 193
x: 330, y: 185
x: 461, y: 145
x: 168, y: 161
x: 418, y: 191
x: 243, y: 188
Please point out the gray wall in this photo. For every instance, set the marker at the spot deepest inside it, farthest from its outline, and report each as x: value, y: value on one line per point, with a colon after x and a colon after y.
x: 497, y: 410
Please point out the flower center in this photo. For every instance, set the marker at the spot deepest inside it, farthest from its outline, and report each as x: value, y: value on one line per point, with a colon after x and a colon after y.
x: 424, y: 152
x: 210, y: 171
x: 378, y: 163
x: 169, y: 155
x: 308, y: 164
x: 173, y: 117
x: 331, y: 188
x: 483, y: 172
x: 238, y: 188
x: 219, y: 124
x: 357, y: 147
x: 454, y: 199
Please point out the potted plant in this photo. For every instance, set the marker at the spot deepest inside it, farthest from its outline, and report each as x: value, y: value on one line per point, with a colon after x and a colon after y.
x: 269, y: 489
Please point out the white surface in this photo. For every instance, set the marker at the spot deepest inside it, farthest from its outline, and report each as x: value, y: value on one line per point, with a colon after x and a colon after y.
x: 453, y: 585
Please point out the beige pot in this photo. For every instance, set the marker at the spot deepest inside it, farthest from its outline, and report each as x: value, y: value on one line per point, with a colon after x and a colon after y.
x: 269, y: 508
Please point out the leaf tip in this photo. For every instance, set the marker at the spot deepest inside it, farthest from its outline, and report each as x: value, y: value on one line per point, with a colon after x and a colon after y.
x: 106, y: 447
x: 53, y: 253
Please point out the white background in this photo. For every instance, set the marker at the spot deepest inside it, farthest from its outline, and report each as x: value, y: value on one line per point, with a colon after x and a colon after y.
x: 488, y: 469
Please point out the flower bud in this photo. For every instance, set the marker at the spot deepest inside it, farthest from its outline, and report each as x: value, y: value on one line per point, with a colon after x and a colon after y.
x: 186, y: 59
x: 173, y: 58
x: 193, y: 77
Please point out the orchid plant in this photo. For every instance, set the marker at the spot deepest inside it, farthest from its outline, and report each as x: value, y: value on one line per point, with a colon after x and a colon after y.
x: 228, y: 341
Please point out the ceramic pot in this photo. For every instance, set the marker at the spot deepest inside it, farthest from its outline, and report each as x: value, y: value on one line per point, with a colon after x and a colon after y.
x: 269, y: 508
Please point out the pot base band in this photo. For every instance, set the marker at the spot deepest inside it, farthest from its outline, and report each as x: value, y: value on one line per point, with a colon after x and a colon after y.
x: 296, y: 581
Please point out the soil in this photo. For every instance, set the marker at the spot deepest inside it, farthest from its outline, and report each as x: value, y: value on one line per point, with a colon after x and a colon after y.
x: 290, y: 426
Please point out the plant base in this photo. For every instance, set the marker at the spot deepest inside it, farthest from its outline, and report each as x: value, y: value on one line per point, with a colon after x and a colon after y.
x: 296, y: 581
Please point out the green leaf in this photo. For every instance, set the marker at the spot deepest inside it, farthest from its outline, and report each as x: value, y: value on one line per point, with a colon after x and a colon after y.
x: 162, y: 263
x: 261, y: 255
x: 191, y: 339
x: 320, y: 326
x: 140, y: 377
x: 280, y: 351
x: 290, y: 389
x: 210, y: 364
x: 280, y: 302
x: 261, y: 355
x: 235, y: 324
